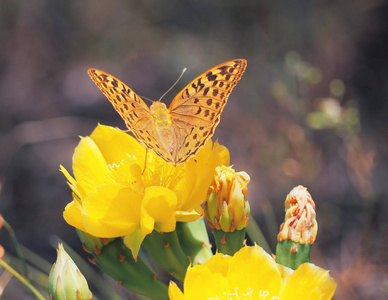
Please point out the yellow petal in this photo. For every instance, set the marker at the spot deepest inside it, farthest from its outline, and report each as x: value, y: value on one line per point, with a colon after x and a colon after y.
x: 71, y: 182
x: 114, y: 203
x: 219, y: 263
x: 199, y: 173
x: 174, y: 292
x: 89, y: 166
x: 72, y: 215
x: 252, y: 268
x: 114, y: 144
x: 187, y: 216
x: 68, y: 176
x: 309, y: 282
x: 201, y: 282
x: 111, y: 211
x: 133, y: 241
x: 158, y: 210
x: 167, y: 225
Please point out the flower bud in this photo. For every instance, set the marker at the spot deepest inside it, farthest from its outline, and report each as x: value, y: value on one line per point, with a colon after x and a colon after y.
x: 227, y: 208
x: 300, y: 224
x: 66, y: 280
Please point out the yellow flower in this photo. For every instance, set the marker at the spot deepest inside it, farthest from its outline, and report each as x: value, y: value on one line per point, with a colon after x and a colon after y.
x: 253, y: 274
x: 117, y: 193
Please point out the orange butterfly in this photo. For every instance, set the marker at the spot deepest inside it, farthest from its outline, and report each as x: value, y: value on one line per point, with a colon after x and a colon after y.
x: 177, y: 133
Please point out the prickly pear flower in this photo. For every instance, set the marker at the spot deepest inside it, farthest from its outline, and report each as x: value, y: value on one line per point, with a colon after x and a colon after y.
x: 227, y: 208
x: 300, y: 224
x: 253, y: 274
x: 119, y: 189
x: 65, y: 279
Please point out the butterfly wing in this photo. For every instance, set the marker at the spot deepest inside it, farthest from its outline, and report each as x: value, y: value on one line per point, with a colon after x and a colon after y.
x: 128, y: 104
x: 196, y: 110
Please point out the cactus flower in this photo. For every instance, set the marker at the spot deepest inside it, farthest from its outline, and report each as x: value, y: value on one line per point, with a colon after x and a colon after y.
x: 66, y: 281
x: 253, y: 274
x: 119, y: 189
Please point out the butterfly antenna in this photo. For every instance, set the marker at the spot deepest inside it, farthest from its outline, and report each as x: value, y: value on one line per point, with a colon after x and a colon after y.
x: 183, y: 72
x: 145, y: 98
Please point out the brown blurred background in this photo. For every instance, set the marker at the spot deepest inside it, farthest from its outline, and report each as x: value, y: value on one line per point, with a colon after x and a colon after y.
x: 311, y: 109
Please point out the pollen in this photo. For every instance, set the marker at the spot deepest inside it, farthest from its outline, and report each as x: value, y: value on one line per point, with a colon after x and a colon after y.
x: 127, y: 172
x: 248, y: 295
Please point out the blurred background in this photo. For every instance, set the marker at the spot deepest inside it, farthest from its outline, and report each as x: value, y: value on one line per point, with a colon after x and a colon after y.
x: 311, y: 109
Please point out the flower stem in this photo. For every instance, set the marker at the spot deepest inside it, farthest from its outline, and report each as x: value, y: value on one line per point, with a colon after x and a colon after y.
x: 194, y: 240
x: 291, y: 254
x: 168, y: 252
x: 229, y: 242
x: 19, y: 252
x: 22, y: 279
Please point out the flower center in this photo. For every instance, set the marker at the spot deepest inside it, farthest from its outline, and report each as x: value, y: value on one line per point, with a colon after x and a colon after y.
x: 159, y: 173
x: 128, y: 173
x: 156, y: 173
x: 263, y: 295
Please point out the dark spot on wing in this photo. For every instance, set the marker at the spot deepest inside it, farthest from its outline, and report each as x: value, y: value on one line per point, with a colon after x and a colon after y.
x: 223, y: 69
x: 211, y: 77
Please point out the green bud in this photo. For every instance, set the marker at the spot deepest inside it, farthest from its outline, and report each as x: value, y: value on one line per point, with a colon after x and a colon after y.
x: 66, y: 280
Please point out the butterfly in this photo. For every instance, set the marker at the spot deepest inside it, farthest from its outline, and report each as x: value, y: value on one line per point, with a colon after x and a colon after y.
x: 177, y: 133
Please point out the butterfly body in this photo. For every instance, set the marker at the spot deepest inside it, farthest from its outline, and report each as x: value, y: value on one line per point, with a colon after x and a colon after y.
x: 176, y: 133
x: 164, y: 127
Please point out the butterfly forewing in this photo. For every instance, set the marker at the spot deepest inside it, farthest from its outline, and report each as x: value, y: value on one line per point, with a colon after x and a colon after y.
x: 127, y: 103
x: 196, y: 109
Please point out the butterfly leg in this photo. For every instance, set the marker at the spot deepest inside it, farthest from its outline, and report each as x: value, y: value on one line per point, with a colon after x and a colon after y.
x: 145, y: 163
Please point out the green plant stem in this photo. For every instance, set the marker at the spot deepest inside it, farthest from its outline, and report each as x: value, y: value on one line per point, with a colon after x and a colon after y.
x: 22, y: 279
x: 19, y: 252
x: 229, y: 242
